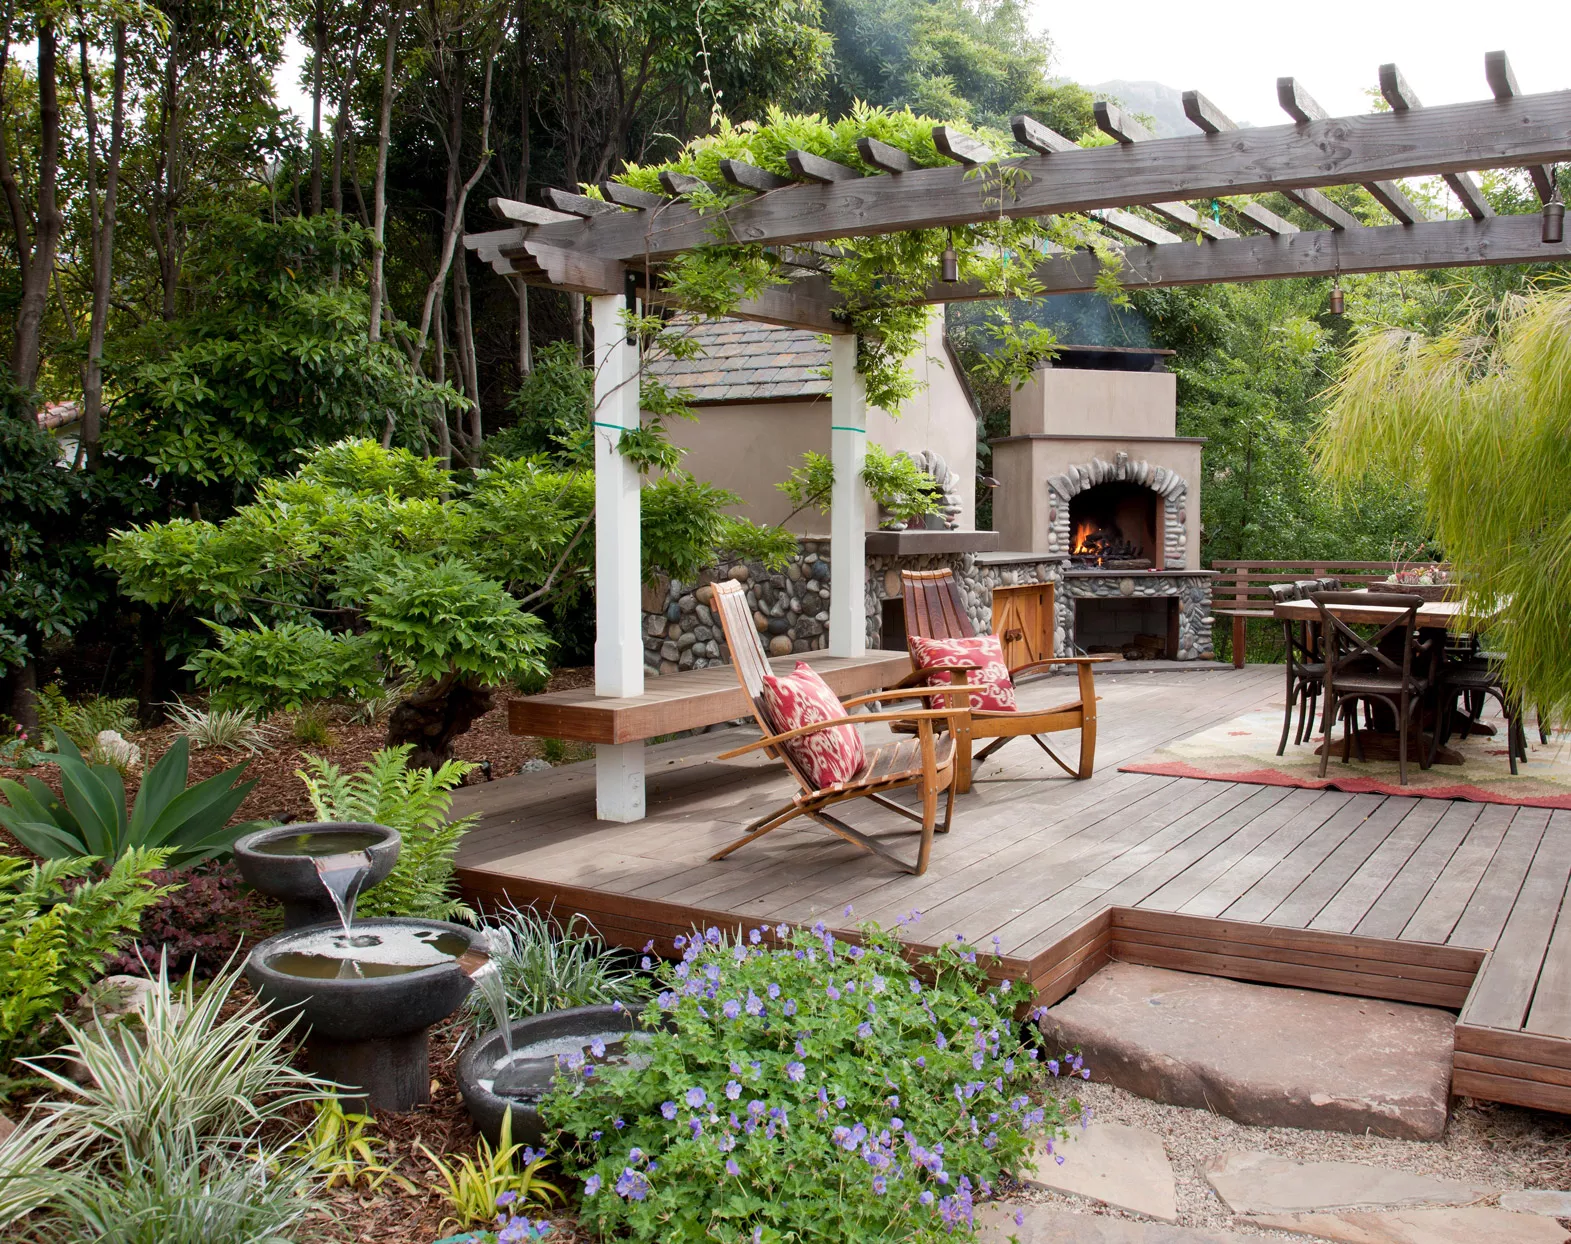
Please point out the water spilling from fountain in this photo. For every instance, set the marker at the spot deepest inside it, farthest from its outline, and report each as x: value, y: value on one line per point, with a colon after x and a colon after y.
x: 342, y: 876
x: 488, y: 980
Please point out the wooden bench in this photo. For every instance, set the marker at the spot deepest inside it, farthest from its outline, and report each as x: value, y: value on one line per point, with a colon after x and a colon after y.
x: 1242, y: 589
x: 689, y: 700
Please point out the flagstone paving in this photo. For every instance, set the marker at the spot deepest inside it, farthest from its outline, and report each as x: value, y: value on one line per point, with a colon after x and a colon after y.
x: 1047, y: 1224
x: 1124, y: 1167
x: 1467, y: 1225
x: 1555, y: 1204
x: 1262, y: 1183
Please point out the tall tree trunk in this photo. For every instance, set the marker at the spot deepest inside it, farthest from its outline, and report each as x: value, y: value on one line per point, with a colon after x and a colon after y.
x: 28, y: 340
x: 338, y: 146
x: 103, y: 241
x: 526, y: 361
x: 464, y: 322
x: 318, y: 55
x: 166, y: 186
x: 395, y: 22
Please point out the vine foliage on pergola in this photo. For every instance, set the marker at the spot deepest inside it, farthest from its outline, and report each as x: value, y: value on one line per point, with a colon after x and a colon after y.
x: 883, y: 279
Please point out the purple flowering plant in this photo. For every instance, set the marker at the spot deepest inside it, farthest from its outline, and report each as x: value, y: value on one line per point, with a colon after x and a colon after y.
x: 852, y: 1095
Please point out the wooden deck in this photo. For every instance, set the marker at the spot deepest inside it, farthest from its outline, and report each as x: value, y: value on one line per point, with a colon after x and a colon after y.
x: 1459, y: 905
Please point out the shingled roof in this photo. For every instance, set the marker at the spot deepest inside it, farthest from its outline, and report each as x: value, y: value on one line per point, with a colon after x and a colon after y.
x: 746, y: 362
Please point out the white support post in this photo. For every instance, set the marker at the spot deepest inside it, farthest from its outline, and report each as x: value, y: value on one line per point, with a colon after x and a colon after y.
x: 848, y: 501
x: 619, y: 649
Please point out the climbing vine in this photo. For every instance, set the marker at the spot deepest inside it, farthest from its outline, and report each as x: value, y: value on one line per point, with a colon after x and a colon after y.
x: 883, y: 279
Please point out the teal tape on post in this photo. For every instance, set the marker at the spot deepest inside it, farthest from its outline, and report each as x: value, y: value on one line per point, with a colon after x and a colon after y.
x: 836, y: 427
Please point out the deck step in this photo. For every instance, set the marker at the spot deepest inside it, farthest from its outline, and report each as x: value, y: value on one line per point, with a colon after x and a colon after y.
x: 1262, y: 1054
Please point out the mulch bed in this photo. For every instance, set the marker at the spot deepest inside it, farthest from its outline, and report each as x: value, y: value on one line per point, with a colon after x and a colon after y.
x: 280, y: 796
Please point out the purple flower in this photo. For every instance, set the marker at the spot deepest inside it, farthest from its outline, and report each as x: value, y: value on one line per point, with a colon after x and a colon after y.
x: 755, y: 1004
x: 752, y: 936
x: 733, y: 1090
x: 696, y: 1097
x: 795, y: 1071
x: 668, y: 1109
x: 592, y: 1185
x: 506, y: 1198
x: 731, y: 1009
x: 878, y: 1185
x: 731, y: 1168
x: 712, y: 936
x: 597, y: 1048
x: 848, y: 909
x: 864, y: 1030
x: 789, y: 1007
x: 834, y: 994
x: 773, y: 991
x: 781, y: 930
x: 977, y: 1060
x: 632, y: 1185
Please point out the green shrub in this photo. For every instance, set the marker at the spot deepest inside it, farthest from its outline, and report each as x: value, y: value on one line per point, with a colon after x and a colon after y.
x: 187, y: 824
x: 812, y: 1091
x: 228, y: 729
x: 284, y: 666
x: 415, y: 802
x: 56, y: 930
x: 310, y: 727
x: 546, y: 970
x: 83, y: 721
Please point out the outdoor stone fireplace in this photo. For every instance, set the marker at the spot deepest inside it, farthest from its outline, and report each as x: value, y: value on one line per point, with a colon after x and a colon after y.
x: 1093, y: 472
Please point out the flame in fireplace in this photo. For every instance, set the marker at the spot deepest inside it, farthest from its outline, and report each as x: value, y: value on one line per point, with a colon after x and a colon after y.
x: 1084, y: 530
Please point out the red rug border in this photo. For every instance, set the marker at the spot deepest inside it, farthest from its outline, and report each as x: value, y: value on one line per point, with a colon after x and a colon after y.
x: 1350, y: 784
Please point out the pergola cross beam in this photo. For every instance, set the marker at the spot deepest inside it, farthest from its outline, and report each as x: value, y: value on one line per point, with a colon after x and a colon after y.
x: 1522, y: 130
x: 1403, y: 98
x: 1502, y: 84
x: 1301, y: 106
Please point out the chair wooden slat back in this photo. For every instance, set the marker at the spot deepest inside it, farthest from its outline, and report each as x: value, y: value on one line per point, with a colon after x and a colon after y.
x: 751, y: 662
x: 1345, y: 647
x: 933, y: 606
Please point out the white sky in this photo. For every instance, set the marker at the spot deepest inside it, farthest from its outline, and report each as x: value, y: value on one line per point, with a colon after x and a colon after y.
x: 1234, y: 53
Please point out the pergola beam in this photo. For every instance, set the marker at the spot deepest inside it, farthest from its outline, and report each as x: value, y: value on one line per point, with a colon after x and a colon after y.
x: 1502, y: 85
x: 580, y: 205
x: 747, y: 176
x: 1403, y: 98
x: 1301, y: 106
x: 629, y: 196
x: 1522, y: 130
x: 1111, y: 120
x: 881, y: 155
x: 1136, y: 227
x: 1212, y: 120
x: 1312, y: 252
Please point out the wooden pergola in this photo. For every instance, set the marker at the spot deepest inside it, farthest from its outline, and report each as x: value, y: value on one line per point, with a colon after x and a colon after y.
x: 612, y: 250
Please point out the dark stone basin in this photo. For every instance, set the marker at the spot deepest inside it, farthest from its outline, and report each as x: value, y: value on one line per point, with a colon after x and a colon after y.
x: 265, y: 863
x: 478, y: 1063
x: 357, y: 1009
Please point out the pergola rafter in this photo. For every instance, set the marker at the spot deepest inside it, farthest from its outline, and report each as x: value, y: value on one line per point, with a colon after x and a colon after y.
x: 614, y: 249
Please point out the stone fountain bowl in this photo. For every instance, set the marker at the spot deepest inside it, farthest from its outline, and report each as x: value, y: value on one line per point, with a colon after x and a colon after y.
x: 477, y: 1063
x: 359, y: 1009
x: 294, y: 877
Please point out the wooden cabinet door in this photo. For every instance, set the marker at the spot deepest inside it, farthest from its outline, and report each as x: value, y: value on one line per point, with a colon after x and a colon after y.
x: 1023, y: 621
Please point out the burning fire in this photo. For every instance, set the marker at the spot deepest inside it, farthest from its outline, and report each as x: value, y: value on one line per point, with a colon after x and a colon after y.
x: 1084, y: 542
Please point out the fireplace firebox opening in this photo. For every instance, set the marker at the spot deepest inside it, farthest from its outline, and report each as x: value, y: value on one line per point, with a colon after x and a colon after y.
x: 1136, y: 628
x: 1116, y: 525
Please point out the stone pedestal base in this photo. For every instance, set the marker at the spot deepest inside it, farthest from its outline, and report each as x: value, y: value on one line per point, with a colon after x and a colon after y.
x: 388, y: 1073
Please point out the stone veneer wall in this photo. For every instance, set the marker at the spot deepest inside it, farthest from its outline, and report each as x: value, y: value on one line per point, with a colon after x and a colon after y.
x: 1168, y: 484
x: 1193, y: 589
x: 791, y: 607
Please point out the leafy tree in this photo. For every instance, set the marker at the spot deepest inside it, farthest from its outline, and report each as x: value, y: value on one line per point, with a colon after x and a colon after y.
x: 276, y: 360
x: 1252, y: 363
x: 965, y: 60
x: 1481, y: 413
x: 370, y: 563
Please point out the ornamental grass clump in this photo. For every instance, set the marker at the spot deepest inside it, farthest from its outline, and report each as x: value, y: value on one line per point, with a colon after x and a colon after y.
x: 808, y: 1089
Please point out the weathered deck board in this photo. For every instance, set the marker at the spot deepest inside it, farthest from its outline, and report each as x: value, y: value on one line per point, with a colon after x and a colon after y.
x: 1389, y: 897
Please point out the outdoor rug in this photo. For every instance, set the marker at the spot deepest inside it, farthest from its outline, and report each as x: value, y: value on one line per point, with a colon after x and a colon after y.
x: 1244, y: 750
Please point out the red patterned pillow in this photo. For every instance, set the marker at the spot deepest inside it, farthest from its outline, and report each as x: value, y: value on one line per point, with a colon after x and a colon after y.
x: 799, y: 699
x: 983, y: 653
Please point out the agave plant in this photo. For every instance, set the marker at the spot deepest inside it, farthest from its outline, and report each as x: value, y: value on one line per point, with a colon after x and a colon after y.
x: 90, y: 818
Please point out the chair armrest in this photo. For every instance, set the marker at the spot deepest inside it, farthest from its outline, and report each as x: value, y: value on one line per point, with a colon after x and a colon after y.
x: 917, y: 693
x: 774, y: 740
x: 1041, y: 668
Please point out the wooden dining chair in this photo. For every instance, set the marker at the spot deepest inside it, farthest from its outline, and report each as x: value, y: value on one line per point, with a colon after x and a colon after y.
x: 1360, y: 668
x: 925, y: 762
x: 934, y: 609
x: 1306, y: 668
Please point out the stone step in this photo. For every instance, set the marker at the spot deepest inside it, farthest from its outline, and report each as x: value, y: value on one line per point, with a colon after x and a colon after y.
x: 1262, y: 1054
x: 1035, y: 1223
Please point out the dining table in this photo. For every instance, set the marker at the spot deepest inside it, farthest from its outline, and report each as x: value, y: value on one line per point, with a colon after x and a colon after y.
x: 1380, y: 743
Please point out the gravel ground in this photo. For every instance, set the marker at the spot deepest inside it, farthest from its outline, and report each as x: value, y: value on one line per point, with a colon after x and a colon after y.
x: 1507, y: 1147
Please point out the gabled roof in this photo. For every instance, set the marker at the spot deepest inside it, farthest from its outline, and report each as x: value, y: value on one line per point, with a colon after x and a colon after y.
x: 748, y: 362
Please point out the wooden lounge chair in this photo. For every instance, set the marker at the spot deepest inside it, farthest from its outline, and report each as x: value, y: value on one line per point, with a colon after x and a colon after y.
x: 925, y: 762
x: 934, y: 610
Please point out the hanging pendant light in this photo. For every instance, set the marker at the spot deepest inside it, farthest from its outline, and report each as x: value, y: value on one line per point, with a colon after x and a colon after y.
x: 1554, y: 220
x: 1336, y: 295
x: 949, y: 272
